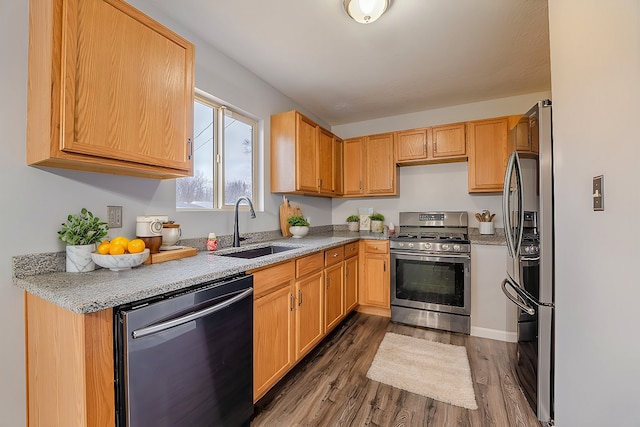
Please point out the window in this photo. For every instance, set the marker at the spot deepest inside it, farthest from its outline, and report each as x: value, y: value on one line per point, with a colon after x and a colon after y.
x: 224, y: 153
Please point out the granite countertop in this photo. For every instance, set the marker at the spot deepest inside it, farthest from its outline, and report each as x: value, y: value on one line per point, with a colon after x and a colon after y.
x: 90, y: 292
x: 487, y: 239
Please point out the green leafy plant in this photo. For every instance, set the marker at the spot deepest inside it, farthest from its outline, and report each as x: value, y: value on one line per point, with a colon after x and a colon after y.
x: 297, y: 221
x: 376, y: 217
x: 83, y: 229
x: 353, y: 218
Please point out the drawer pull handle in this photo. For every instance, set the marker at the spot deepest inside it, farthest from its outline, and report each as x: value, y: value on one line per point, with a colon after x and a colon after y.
x: 335, y: 255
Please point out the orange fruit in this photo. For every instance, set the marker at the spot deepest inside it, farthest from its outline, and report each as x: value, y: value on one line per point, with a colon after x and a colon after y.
x: 136, y: 246
x: 116, y: 249
x: 121, y: 240
x: 103, y: 248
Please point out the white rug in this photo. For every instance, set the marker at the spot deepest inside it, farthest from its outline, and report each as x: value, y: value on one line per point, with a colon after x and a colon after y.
x: 431, y: 369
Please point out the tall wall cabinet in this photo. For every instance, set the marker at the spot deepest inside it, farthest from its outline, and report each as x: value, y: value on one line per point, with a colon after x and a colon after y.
x: 305, y: 158
x: 110, y: 90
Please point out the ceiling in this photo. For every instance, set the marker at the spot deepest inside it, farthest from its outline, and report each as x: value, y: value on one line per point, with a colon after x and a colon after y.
x: 420, y: 55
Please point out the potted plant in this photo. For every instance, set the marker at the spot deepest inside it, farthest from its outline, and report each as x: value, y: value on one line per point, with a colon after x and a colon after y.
x: 376, y: 222
x: 353, y: 222
x: 81, y: 232
x: 299, y: 226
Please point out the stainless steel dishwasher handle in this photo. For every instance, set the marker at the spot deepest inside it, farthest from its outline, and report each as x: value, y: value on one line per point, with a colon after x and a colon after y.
x: 190, y: 317
x: 524, y: 307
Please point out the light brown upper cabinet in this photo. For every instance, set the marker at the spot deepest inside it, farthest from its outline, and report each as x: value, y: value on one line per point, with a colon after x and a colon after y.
x: 110, y: 90
x: 380, y: 174
x: 448, y: 142
x: 305, y: 158
x: 488, y: 153
x: 353, y: 169
x: 521, y: 136
x: 369, y: 166
x: 411, y: 145
x: 437, y: 144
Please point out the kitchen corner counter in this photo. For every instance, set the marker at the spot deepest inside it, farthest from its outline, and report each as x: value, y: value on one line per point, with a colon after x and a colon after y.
x: 84, y: 293
x: 497, y: 239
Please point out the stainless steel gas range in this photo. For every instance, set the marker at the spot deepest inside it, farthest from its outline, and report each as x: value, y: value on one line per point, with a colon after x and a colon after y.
x: 431, y: 271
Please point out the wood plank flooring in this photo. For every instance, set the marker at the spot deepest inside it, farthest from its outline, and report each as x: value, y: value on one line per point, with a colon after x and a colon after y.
x: 330, y: 387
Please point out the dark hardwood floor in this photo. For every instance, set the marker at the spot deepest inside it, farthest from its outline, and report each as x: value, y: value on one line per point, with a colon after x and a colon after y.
x: 330, y: 387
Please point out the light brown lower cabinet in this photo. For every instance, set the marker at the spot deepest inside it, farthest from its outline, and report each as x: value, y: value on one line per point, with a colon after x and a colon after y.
x: 69, y: 366
x: 296, y: 304
x: 350, y: 276
x: 375, y: 278
x: 334, y: 287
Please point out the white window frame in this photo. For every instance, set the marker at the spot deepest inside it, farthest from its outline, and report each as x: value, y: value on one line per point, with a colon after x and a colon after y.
x: 221, y: 111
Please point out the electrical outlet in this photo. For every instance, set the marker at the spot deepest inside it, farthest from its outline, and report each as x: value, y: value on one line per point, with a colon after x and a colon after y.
x: 598, y: 193
x: 114, y: 215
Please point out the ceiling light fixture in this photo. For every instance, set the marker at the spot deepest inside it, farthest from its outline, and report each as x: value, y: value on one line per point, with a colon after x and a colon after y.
x: 366, y: 11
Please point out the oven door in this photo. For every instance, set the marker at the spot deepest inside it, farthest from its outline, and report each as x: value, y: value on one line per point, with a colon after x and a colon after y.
x: 435, y: 282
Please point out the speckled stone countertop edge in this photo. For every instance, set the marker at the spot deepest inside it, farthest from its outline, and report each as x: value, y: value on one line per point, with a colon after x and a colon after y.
x: 43, y: 275
x: 497, y: 239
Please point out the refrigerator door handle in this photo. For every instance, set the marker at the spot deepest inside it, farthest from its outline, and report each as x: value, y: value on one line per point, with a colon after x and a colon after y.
x: 513, y: 241
x: 523, y: 306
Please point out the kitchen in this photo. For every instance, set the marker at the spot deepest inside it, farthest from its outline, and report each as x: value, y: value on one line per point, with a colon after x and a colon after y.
x: 578, y: 48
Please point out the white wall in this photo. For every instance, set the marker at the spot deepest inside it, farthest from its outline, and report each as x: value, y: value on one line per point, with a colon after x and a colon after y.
x: 595, y: 74
x: 433, y: 187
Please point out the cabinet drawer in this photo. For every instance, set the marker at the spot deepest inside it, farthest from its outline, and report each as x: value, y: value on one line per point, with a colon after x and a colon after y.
x: 333, y: 256
x: 309, y: 264
x: 350, y: 249
x: 376, y: 246
x: 273, y: 278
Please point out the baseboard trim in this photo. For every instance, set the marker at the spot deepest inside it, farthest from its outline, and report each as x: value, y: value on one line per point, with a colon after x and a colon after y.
x: 494, y: 334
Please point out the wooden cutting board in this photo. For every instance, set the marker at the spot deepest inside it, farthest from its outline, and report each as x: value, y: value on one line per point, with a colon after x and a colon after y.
x: 163, y: 256
x: 287, y: 211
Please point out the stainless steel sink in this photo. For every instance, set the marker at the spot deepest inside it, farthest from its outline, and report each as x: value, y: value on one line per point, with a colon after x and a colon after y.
x: 258, y: 252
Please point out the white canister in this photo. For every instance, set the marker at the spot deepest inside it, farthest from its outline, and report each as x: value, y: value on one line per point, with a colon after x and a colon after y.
x: 150, y: 225
x: 171, y: 233
x: 486, y: 227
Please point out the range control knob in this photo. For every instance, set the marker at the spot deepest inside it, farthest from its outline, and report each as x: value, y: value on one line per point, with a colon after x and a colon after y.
x: 427, y: 245
x: 445, y: 247
x: 410, y: 245
x: 456, y: 248
x: 401, y: 244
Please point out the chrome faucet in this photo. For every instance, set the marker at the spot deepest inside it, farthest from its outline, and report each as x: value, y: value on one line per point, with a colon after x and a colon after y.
x: 236, y: 233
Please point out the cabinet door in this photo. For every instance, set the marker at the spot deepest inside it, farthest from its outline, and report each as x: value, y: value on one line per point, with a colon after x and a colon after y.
x: 411, y: 145
x: 376, y: 286
x: 350, y: 283
x: 380, y: 170
x: 306, y: 167
x: 334, y: 296
x: 338, y: 152
x: 109, y: 110
x: 488, y: 153
x: 353, y: 166
x: 309, y: 321
x: 326, y: 162
x: 448, y: 141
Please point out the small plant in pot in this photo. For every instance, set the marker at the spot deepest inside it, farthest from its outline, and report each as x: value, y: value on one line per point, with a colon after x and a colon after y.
x: 81, y: 232
x: 377, y: 220
x: 353, y: 222
x: 298, y: 226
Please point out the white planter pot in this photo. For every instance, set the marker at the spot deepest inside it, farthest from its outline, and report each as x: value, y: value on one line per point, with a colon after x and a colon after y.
x: 79, y: 258
x: 376, y: 226
x: 353, y: 226
x: 486, y: 227
x: 299, y: 231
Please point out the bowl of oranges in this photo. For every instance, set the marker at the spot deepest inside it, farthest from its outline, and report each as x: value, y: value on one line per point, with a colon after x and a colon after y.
x: 120, y: 253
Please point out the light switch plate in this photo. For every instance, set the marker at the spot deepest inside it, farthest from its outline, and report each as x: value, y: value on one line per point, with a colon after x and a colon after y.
x: 598, y: 193
x: 114, y: 216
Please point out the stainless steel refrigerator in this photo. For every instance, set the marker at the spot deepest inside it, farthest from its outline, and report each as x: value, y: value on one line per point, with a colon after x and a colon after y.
x: 529, y: 282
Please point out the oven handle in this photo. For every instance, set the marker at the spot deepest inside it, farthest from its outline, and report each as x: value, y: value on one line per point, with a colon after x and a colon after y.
x: 428, y: 254
x: 523, y: 306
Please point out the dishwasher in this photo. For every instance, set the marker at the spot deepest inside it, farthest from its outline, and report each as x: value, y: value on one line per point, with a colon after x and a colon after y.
x: 186, y: 358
